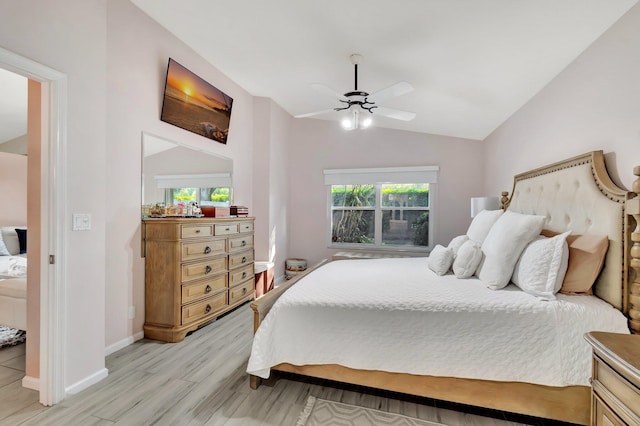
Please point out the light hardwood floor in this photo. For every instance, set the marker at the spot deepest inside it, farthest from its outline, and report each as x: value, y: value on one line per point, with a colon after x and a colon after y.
x: 202, y: 381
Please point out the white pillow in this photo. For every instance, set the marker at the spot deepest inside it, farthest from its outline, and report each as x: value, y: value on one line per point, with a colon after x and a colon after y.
x: 440, y: 259
x: 467, y: 260
x: 506, y: 239
x: 482, y: 223
x: 542, y: 266
x: 456, y: 243
x: 9, y: 240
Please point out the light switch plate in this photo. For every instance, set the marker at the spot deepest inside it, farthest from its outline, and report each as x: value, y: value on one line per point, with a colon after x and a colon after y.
x: 81, y: 222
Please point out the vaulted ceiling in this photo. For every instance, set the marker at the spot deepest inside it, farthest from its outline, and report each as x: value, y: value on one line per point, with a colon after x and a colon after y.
x: 472, y: 63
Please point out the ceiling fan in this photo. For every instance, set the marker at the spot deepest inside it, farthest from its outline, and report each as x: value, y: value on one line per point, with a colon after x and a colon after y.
x: 359, y: 102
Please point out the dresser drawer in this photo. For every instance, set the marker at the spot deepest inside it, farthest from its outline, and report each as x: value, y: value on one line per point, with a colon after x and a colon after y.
x: 198, y: 310
x: 206, y: 288
x: 603, y: 416
x: 246, y: 226
x: 236, y: 276
x: 618, y: 388
x: 239, y: 243
x: 196, y: 231
x: 193, y: 251
x: 242, y: 291
x: 195, y: 271
x: 240, y: 259
x: 225, y: 228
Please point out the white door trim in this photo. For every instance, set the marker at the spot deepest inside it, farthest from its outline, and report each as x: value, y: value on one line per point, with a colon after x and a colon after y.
x: 53, y: 186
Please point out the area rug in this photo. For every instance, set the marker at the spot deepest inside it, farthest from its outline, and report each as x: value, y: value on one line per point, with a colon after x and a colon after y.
x: 11, y: 336
x: 320, y: 412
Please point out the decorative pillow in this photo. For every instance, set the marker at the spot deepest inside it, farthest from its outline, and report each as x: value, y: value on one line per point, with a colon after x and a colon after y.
x: 542, y: 266
x: 22, y: 239
x: 440, y: 259
x: 467, y: 260
x: 9, y: 240
x: 586, y: 259
x: 3, y: 248
x: 506, y: 239
x: 482, y: 223
x: 456, y: 243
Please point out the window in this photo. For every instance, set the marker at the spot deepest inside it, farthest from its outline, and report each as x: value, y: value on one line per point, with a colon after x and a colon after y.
x: 206, y: 189
x: 219, y: 197
x: 369, y: 210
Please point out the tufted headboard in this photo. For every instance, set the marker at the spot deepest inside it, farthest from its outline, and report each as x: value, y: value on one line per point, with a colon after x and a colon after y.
x: 578, y: 195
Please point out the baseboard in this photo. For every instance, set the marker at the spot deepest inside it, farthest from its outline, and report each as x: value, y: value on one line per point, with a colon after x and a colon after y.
x: 86, y: 382
x: 31, y: 383
x: 123, y: 343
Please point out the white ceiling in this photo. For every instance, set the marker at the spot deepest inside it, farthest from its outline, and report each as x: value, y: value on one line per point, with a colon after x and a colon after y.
x: 472, y: 63
x: 13, y: 105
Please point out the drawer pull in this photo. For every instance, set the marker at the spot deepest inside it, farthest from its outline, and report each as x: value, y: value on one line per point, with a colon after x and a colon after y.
x: 244, y: 291
x: 197, y: 231
x: 244, y: 274
x: 207, y: 289
x: 207, y: 269
x: 207, y: 250
x: 227, y: 229
x: 244, y: 243
x: 207, y: 309
x: 244, y: 259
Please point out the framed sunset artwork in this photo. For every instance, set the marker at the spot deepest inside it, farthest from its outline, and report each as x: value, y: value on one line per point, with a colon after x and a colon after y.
x: 195, y: 105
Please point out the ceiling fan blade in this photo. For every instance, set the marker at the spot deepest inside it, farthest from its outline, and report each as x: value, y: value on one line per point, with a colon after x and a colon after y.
x: 392, y: 91
x: 311, y: 114
x: 328, y: 91
x: 394, y: 113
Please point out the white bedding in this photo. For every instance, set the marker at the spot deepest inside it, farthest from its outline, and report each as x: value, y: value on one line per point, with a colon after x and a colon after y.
x: 396, y: 315
x: 13, y: 266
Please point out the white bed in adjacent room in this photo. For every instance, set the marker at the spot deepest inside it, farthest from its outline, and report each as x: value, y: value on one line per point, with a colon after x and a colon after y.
x: 13, y: 281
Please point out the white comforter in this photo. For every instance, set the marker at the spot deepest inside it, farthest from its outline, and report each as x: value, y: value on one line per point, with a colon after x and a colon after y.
x: 13, y: 266
x: 396, y: 315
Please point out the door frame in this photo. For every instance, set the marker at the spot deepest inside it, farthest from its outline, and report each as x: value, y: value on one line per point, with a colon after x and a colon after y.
x: 52, y: 214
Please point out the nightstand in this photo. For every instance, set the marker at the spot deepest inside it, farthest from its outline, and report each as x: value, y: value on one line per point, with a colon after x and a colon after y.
x: 615, y: 382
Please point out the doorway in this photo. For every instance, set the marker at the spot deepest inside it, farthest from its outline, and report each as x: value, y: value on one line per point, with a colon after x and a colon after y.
x: 52, y: 324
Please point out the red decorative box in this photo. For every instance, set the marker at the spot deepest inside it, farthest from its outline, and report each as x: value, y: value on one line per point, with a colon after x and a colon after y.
x: 210, y: 211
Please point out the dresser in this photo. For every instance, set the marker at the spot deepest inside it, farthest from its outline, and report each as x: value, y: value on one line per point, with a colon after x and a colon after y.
x: 615, y: 394
x: 196, y: 269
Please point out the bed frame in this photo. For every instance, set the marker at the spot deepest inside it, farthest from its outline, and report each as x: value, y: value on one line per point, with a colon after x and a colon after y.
x: 576, y: 194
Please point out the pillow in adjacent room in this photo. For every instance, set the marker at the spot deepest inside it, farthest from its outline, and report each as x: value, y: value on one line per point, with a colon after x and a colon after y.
x: 456, y: 243
x: 505, y: 241
x: 482, y: 223
x: 467, y: 260
x: 440, y: 259
x: 3, y: 248
x: 22, y: 239
x: 9, y: 240
x: 542, y: 266
x: 586, y: 259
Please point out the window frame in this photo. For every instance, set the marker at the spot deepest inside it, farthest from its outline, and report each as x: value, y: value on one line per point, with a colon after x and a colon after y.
x: 377, y: 178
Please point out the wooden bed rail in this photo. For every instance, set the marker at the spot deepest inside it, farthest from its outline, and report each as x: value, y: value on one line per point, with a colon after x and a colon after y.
x: 633, y: 209
x: 262, y: 306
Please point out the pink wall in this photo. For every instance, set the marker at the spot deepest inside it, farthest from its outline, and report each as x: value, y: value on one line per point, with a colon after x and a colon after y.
x: 138, y: 50
x: 316, y: 145
x: 593, y: 104
x: 70, y: 36
x: 13, y: 187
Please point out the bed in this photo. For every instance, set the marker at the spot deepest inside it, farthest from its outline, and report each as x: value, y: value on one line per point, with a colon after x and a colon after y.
x: 577, y: 195
x: 13, y: 277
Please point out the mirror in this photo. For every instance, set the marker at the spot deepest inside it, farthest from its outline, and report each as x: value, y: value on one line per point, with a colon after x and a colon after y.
x: 197, y: 173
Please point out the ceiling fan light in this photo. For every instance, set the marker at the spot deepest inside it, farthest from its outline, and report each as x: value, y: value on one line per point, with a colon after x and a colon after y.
x: 346, y: 124
x: 366, y: 122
